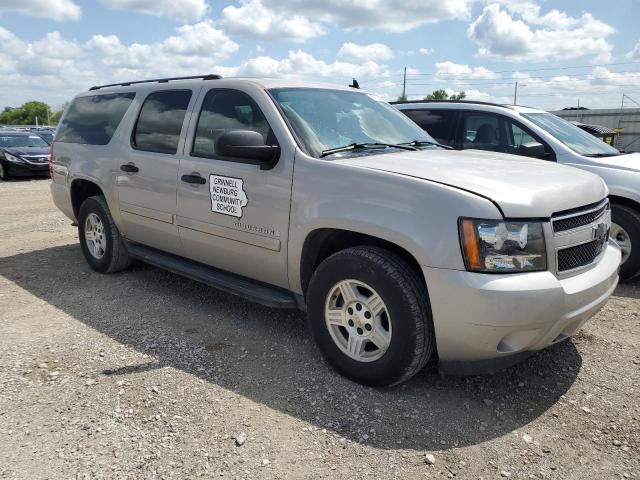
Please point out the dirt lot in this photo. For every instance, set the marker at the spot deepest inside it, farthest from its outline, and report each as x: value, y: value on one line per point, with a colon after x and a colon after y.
x: 144, y: 374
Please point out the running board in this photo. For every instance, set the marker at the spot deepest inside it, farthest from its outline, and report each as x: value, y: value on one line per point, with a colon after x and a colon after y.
x: 253, y: 290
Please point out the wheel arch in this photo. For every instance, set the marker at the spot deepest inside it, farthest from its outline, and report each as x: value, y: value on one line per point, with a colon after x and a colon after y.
x: 321, y: 243
x: 628, y: 202
x: 81, y: 189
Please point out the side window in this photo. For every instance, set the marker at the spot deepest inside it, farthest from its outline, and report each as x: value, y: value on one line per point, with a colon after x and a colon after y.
x: 483, y: 131
x: 519, y: 136
x: 160, y: 121
x: 224, y: 110
x: 440, y: 124
x: 94, y: 119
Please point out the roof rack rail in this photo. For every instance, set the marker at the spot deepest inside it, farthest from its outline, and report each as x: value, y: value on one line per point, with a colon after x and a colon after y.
x: 211, y: 76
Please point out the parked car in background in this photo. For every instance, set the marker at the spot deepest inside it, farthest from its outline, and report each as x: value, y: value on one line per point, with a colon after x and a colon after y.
x: 47, y: 135
x: 22, y: 153
x: 396, y: 247
x: 530, y: 132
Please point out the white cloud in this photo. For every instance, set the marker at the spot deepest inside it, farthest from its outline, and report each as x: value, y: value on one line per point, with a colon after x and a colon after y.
x: 386, y: 15
x: 253, y: 19
x: 181, y: 10
x: 302, y: 65
x: 452, y: 71
x: 502, y: 36
x: 193, y: 49
x: 634, y: 54
x: 59, y: 10
x: 359, y: 53
x: 425, y: 51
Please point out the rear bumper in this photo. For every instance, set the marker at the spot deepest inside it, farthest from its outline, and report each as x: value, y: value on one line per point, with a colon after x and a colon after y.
x: 486, y: 322
x: 61, y: 196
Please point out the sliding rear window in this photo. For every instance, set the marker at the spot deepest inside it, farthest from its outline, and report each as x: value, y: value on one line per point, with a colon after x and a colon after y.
x: 93, y: 120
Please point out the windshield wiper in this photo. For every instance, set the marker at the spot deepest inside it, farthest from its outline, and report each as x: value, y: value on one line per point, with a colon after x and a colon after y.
x: 361, y: 146
x: 602, y: 155
x: 419, y: 143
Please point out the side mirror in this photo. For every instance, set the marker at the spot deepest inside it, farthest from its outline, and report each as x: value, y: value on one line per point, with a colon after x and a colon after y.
x: 247, y: 145
x: 531, y: 149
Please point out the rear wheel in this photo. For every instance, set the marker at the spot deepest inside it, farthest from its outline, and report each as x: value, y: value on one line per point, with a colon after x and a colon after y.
x: 4, y: 172
x: 625, y: 231
x: 102, y: 245
x: 369, y: 313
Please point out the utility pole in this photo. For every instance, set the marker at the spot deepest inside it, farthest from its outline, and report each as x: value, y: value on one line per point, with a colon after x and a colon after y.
x: 515, y: 95
x: 404, y: 85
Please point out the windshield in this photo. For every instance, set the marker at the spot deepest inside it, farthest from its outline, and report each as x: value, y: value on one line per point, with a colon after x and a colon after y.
x: 22, y: 141
x: 576, y: 139
x: 328, y: 119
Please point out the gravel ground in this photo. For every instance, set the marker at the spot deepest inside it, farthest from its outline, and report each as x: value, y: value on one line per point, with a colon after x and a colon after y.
x: 144, y: 374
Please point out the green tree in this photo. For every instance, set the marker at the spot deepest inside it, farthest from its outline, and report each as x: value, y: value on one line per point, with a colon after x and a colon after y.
x: 26, y: 114
x: 55, y: 118
x: 442, y: 94
x: 439, y: 94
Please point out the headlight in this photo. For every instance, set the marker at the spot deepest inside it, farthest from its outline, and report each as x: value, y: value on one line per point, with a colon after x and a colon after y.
x: 12, y: 158
x: 502, y: 247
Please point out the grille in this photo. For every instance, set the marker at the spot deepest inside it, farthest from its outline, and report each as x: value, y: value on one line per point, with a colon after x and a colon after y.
x: 579, y: 255
x: 37, y: 159
x: 579, y: 219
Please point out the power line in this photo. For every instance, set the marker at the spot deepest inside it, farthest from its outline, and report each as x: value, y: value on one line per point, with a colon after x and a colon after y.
x: 542, y: 69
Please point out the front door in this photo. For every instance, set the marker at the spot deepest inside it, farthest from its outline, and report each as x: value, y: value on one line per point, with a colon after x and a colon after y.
x: 147, y: 176
x: 232, y: 214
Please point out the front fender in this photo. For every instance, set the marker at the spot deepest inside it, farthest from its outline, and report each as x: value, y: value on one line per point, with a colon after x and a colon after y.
x: 417, y: 215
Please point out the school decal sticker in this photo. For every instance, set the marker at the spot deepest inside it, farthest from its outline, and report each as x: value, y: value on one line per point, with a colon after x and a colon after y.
x: 227, y: 195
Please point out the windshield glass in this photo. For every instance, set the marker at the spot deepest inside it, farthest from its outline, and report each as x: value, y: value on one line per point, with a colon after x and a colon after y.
x: 576, y: 139
x: 22, y: 141
x: 326, y: 119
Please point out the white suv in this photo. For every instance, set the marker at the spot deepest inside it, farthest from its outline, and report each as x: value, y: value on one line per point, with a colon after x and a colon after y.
x: 535, y: 133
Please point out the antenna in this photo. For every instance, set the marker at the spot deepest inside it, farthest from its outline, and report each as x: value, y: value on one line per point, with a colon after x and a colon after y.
x: 355, y: 84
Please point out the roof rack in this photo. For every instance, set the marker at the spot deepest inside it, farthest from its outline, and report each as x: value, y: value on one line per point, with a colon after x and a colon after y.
x: 211, y: 76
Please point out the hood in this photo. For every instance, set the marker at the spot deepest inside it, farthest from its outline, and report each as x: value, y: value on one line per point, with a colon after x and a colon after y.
x: 521, y: 187
x: 26, y: 151
x: 627, y: 161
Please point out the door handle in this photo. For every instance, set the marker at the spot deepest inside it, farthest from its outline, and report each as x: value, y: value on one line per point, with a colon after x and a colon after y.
x: 194, y: 178
x: 129, y: 168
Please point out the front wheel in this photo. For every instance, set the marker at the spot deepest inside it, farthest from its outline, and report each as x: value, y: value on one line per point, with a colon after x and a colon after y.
x: 625, y: 231
x: 369, y: 314
x: 4, y: 173
x: 101, y: 242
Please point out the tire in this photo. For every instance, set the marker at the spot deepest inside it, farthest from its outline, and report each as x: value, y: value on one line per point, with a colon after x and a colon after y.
x: 4, y: 172
x: 407, y: 316
x: 115, y: 256
x: 629, y: 220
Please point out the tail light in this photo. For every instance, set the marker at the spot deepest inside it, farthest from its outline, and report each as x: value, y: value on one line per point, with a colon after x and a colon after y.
x: 51, y: 159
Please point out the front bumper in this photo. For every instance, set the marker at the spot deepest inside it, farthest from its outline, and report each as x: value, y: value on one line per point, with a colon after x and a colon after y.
x: 27, y: 168
x: 484, y: 322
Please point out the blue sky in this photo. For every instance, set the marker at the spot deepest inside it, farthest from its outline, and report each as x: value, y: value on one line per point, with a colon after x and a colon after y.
x: 560, y: 52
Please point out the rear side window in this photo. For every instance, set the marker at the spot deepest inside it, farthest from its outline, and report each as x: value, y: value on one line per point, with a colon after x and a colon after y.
x: 160, y: 121
x: 93, y: 120
x: 440, y: 124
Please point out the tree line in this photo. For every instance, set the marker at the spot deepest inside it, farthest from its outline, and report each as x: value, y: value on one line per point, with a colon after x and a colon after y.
x: 27, y: 114
x: 439, y: 94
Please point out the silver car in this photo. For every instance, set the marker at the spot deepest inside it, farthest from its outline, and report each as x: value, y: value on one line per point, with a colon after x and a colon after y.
x: 535, y: 133
x: 324, y: 198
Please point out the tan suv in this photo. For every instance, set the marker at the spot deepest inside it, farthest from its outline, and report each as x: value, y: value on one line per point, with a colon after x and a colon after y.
x: 327, y: 199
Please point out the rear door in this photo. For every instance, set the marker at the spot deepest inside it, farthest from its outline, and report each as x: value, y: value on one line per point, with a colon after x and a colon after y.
x: 439, y: 123
x: 148, y: 173
x: 236, y: 215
